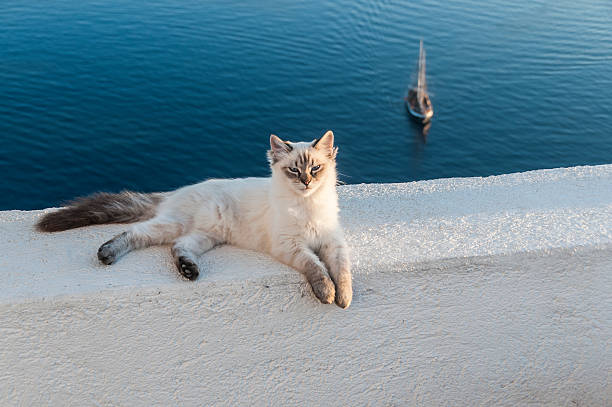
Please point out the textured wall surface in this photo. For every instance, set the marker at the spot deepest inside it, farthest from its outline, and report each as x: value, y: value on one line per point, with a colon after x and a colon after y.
x: 490, y: 291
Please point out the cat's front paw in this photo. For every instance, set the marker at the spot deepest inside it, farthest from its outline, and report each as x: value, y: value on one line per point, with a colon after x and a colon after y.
x: 344, y: 297
x: 344, y: 291
x: 324, y: 290
x: 187, y: 268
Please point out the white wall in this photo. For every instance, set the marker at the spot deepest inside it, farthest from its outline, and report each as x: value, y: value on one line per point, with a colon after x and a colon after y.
x: 467, y: 291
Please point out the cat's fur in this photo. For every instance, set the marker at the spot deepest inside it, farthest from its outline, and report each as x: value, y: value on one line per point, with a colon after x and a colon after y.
x: 292, y: 215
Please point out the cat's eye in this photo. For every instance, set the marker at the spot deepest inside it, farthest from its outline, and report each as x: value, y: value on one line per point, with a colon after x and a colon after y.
x: 315, y: 169
x: 293, y: 170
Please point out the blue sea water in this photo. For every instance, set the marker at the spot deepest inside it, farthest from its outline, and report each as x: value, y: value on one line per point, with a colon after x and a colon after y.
x: 151, y: 95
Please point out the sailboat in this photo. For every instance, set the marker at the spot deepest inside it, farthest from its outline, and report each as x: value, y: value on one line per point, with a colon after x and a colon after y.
x: 418, y: 103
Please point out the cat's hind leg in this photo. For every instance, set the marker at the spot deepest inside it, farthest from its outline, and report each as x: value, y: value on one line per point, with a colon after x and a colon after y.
x: 151, y: 232
x: 187, y: 249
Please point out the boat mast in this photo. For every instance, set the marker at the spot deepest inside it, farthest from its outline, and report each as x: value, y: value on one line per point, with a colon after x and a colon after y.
x: 420, y: 67
x: 422, y: 84
x: 424, y: 76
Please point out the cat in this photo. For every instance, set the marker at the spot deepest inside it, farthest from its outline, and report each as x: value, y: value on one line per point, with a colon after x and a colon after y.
x: 291, y: 215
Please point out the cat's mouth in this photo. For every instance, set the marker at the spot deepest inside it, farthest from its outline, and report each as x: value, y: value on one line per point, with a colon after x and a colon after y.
x: 305, y: 189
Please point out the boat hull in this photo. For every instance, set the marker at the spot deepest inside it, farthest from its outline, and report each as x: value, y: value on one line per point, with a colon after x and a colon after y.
x: 419, y: 117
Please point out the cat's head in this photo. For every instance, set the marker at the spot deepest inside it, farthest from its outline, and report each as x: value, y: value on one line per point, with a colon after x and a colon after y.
x: 305, y: 166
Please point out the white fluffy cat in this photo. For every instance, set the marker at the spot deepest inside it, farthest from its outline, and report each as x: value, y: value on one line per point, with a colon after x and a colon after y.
x: 292, y: 215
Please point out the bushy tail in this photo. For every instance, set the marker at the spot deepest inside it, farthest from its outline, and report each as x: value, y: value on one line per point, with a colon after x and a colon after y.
x: 100, y: 208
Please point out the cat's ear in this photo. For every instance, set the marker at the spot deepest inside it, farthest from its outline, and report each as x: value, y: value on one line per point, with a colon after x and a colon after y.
x: 278, y: 148
x: 326, y: 144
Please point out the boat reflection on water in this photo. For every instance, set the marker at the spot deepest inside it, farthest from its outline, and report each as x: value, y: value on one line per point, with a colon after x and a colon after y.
x: 425, y: 131
x: 420, y: 131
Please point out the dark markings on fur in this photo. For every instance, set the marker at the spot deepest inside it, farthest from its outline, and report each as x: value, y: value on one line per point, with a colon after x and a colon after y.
x: 303, y: 160
x: 323, y: 288
x: 303, y: 163
x: 332, y: 154
x: 106, y: 254
x: 305, y: 178
x: 315, y: 174
x: 290, y: 174
x: 272, y: 157
x: 313, y: 270
x: 101, y: 208
x: 110, y: 251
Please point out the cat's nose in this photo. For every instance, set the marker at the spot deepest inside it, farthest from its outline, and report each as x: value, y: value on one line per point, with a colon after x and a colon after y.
x: 306, y: 181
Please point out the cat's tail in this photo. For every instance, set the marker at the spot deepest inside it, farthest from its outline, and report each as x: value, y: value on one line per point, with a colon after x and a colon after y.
x: 100, y: 208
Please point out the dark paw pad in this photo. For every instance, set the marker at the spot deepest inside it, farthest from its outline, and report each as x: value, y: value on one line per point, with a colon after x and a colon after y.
x: 106, y: 254
x: 187, y: 268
